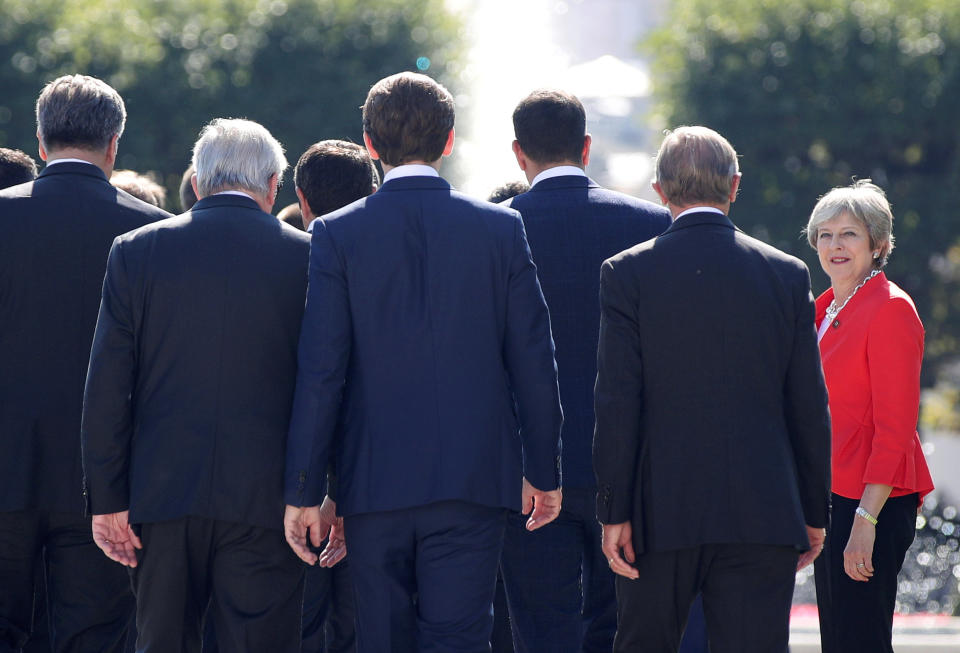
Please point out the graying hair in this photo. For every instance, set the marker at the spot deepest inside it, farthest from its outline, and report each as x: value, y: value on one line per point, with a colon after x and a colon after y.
x: 79, y: 111
x: 233, y: 153
x: 866, y: 202
x: 694, y: 165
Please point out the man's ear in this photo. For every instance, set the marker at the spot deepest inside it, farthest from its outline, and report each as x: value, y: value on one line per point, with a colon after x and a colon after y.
x: 302, y: 201
x: 306, y: 214
x: 521, y: 157
x: 111, y: 153
x: 734, y: 187
x: 659, y: 191
x: 273, y: 184
x: 40, y: 148
x: 587, y: 142
x: 448, y: 148
x: 193, y: 184
x: 370, y: 148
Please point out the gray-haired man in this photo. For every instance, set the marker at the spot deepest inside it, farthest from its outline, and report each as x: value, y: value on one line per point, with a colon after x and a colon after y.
x: 55, y: 233
x: 187, y: 405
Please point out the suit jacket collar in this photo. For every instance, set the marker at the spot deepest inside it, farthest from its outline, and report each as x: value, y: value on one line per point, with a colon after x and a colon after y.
x: 563, y: 181
x: 698, y: 219
x: 416, y: 182
x: 218, y: 201
x: 73, y: 168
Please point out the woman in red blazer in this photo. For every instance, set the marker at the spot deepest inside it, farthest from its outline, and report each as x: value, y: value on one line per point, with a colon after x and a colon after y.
x: 871, y: 344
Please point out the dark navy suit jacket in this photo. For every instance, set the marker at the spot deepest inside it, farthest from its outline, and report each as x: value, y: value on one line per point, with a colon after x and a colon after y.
x: 55, y: 234
x: 427, y: 338
x: 193, y: 365
x: 573, y: 226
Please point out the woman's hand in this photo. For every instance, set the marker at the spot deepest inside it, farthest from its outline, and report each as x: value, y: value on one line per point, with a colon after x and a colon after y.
x: 858, y: 556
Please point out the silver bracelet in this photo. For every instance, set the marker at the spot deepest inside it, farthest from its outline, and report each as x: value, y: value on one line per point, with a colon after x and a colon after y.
x: 861, y: 511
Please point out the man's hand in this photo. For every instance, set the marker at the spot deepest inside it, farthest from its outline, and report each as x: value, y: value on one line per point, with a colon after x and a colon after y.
x: 315, y: 520
x: 545, y: 505
x: 336, y: 548
x: 297, y: 522
x: 113, y: 534
x: 618, y: 548
x: 817, y: 536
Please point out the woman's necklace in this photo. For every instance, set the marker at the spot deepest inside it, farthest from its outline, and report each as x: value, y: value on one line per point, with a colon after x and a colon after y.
x: 833, y: 310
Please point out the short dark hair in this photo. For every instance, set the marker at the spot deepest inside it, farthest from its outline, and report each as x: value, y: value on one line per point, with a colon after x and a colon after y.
x: 143, y: 187
x: 550, y: 126
x: 505, y: 191
x: 187, y: 196
x: 16, y: 167
x: 408, y: 117
x: 79, y: 111
x: 333, y: 173
x: 292, y: 216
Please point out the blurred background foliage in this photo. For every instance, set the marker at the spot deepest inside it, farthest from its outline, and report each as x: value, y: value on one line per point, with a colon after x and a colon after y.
x: 301, y: 67
x: 814, y: 92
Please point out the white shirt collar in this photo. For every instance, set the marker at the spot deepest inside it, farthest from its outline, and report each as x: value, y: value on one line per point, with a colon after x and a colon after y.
x: 235, y: 192
x: 56, y: 161
x: 557, y: 171
x: 699, y: 209
x: 411, y: 170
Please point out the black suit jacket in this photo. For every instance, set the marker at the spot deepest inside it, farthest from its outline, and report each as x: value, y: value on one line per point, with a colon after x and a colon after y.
x: 573, y: 225
x: 712, y: 419
x: 55, y: 233
x: 193, y: 366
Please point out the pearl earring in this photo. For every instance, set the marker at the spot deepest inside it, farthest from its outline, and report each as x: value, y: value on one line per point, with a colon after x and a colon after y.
x: 876, y: 255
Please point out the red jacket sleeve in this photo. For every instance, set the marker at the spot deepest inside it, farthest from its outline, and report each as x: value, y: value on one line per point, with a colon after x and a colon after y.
x: 894, y: 355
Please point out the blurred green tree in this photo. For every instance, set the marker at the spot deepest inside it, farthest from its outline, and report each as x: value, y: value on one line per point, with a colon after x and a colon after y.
x: 814, y: 92
x: 300, y: 67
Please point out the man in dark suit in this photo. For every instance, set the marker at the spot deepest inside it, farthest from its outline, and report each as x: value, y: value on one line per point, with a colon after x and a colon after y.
x: 426, y: 347
x: 55, y: 233
x: 188, y: 400
x: 329, y: 175
x: 559, y: 587
x: 712, y: 443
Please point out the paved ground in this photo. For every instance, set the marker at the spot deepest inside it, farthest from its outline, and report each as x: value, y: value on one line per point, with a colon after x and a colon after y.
x: 919, y: 633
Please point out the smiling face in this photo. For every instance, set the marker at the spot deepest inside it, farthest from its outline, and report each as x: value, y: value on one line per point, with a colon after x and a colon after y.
x: 843, y: 245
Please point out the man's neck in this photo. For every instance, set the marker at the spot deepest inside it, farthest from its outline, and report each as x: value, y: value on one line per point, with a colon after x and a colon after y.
x: 534, y: 168
x: 675, y: 211
x: 90, y: 156
x: 262, y: 200
x: 433, y: 164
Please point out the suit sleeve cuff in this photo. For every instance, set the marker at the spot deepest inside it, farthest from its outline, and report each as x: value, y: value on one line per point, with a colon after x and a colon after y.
x: 613, y: 507
x: 304, y: 489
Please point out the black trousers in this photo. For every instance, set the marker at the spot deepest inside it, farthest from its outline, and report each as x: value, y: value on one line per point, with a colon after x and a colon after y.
x: 424, y: 577
x: 88, y: 600
x: 329, y: 613
x: 248, y: 576
x: 855, y: 616
x: 747, y: 591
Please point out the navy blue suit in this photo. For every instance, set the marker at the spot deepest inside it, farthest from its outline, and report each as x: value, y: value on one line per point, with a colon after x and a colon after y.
x: 426, y: 348
x: 559, y: 587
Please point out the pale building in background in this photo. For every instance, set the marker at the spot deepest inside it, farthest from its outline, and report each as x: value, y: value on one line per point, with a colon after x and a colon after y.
x: 587, y: 47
